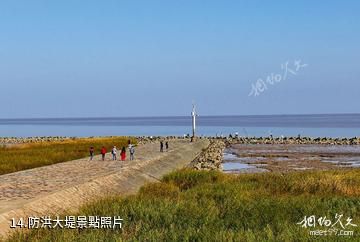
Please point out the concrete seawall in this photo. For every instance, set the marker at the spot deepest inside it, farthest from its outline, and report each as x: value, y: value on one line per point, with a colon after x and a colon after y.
x: 114, y: 180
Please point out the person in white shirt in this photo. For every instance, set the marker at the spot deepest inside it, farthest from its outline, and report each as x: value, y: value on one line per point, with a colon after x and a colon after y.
x: 113, y: 152
x: 131, y: 151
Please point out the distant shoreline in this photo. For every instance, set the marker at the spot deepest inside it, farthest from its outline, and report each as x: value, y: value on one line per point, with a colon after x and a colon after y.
x: 228, y: 139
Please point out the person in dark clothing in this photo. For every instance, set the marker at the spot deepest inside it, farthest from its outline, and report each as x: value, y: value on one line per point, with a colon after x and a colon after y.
x: 167, y: 146
x: 161, y: 146
x: 91, y: 153
x: 103, y: 152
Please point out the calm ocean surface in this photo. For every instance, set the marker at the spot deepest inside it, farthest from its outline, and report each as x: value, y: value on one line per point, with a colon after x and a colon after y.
x: 330, y: 125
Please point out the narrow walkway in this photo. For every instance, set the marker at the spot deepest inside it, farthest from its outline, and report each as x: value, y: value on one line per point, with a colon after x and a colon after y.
x: 66, y: 186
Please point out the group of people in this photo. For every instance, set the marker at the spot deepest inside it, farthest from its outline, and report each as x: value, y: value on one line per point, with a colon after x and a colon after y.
x: 114, y: 152
x: 131, y: 148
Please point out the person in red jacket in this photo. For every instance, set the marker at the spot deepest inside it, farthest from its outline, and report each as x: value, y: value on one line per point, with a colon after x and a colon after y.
x: 103, y: 152
x: 123, y: 154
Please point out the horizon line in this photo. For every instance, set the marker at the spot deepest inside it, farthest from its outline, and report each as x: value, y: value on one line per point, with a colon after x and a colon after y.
x: 182, y: 116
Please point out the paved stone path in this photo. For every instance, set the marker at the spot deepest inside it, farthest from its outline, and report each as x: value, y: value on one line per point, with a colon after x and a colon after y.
x: 28, y: 184
x: 68, y: 185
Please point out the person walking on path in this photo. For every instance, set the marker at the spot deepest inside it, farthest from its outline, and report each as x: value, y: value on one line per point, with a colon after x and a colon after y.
x: 161, y: 146
x: 103, y: 152
x: 91, y: 153
x: 123, y: 154
x: 113, y: 152
x: 131, y: 151
x: 167, y: 146
x: 129, y: 145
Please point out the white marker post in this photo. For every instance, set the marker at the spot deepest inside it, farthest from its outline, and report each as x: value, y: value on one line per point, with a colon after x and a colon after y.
x: 193, y: 115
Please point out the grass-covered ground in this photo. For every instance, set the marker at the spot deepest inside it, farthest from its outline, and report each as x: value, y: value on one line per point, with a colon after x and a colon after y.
x: 31, y: 155
x: 210, y: 206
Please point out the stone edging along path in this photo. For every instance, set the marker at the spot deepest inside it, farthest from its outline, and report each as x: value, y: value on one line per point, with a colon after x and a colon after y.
x: 211, y: 158
x: 113, y: 178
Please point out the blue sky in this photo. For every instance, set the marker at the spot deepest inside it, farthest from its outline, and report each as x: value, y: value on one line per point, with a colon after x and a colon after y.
x: 151, y: 58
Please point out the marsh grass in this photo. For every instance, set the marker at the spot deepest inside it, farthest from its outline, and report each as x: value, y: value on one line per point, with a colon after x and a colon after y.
x: 31, y: 155
x: 192, y: 205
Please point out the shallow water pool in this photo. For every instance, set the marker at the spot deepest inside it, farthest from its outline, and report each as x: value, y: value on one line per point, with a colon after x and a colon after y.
x: 234, y: 164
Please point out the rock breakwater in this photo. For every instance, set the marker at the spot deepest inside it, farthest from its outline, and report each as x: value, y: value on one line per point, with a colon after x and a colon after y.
x: 211, y: 157
x: 292, y: 140
x: 17, y: 140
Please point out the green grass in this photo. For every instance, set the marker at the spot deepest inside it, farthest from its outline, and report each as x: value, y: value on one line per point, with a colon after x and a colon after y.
x: 192, y: 205
x: 31, y: 155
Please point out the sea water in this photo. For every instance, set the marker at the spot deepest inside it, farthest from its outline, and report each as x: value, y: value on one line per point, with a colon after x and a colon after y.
x: 327, y: 125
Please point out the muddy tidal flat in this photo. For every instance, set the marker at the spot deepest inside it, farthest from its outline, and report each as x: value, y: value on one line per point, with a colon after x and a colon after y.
x: 249, y: 158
